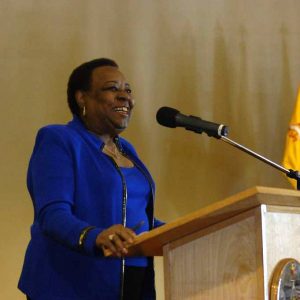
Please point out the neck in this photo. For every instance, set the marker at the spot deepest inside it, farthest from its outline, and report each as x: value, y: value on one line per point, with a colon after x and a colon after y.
x: 107, y: 139
x: 106, y: 136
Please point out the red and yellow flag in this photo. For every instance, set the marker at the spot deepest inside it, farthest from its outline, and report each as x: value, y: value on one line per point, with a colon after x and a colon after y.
x: 291, y: 157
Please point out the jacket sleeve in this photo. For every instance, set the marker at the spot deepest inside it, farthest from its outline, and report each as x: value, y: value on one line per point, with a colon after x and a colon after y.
x: 51, y: 186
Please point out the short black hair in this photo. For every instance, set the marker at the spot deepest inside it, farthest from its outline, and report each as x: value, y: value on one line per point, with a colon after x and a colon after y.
x: 80, y: 79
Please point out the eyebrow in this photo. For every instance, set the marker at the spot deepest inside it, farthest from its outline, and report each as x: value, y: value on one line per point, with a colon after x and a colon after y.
x: 113, y: 81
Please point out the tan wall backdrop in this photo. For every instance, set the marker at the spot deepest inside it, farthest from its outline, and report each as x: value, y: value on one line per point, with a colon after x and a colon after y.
x: 231, y: 61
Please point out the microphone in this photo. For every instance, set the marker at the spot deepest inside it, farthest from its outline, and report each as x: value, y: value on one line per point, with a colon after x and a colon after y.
x: 171, y: 117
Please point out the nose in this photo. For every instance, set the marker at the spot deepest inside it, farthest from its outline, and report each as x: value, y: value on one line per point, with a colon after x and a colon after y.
x: 125, y: 96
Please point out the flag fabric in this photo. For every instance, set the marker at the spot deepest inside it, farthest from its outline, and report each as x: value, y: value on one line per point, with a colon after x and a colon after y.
x: 291, y: 157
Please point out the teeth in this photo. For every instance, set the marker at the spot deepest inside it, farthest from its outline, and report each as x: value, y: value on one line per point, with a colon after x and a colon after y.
x: 123, y: 108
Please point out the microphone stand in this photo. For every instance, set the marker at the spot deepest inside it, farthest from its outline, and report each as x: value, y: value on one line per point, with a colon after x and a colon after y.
x: 289, y: 172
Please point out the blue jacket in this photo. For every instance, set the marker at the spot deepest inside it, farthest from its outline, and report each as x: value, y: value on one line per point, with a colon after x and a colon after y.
x: 71, y: 180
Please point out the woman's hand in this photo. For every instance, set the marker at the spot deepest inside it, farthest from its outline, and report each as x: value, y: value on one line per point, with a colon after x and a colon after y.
x: 116, y: 239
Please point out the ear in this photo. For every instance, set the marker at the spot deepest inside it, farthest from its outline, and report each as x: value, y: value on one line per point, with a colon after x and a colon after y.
x: 80, y: 98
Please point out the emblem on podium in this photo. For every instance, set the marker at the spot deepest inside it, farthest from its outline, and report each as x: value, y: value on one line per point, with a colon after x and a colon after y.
x: 285, y: 283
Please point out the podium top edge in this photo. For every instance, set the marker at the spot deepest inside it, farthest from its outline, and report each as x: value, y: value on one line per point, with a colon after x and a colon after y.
x: 219, y: 211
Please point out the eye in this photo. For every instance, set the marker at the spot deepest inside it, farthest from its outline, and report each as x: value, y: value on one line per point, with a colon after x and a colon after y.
x: 129, y: 91
x: 111, y: 88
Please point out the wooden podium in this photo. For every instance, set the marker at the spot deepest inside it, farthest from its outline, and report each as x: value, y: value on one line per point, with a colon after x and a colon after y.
x: 227, y: 250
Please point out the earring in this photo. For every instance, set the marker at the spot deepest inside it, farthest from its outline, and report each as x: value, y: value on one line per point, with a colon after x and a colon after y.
x: 83, y: 111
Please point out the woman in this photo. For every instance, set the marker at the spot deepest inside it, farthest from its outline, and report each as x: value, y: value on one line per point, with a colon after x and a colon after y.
x: 90, y: 192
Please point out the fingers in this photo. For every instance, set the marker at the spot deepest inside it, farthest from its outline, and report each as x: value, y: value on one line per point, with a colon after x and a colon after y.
x: 126, y: 235
x: 122, y: 238
x: 111, y: 246
x: 120, y: 244
x: 117, y: 239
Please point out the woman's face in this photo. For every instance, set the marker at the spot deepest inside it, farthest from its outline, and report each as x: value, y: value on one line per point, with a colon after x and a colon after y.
x: 108, y: 103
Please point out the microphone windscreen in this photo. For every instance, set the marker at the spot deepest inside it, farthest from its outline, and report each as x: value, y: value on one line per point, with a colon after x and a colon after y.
x: 166, y: 116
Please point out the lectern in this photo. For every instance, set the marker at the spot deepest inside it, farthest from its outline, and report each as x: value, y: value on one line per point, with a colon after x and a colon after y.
x: 227, y: 250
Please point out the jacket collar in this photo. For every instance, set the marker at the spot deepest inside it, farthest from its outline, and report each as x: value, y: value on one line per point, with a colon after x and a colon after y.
x: 78, y: 125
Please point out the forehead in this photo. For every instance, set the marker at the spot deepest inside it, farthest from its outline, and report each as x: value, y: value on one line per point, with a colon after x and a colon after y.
x: 104, y: 74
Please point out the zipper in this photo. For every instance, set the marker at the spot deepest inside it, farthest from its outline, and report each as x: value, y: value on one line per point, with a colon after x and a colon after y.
x: 119, y: 146
x: 124, y: 205
x: 124, y: 202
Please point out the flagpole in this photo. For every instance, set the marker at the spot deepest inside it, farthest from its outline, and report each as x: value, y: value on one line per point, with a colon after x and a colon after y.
x: 289, y: 172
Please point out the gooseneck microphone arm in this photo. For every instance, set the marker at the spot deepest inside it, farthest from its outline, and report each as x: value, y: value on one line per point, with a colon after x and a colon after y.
x: 289, y: 172
x: 170, y: 117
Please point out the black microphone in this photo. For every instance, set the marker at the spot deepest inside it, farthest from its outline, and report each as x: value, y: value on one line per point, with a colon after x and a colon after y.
x: 171, y: 117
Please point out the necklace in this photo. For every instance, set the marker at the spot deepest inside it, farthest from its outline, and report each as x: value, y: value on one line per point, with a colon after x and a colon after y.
x: 112, y: 151
x: 117, y: 156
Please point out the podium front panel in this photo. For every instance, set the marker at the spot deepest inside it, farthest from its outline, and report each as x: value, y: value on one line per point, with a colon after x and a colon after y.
x: 221, y: 262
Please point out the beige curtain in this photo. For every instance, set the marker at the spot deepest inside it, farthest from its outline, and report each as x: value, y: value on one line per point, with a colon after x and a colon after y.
x: 235, y: 62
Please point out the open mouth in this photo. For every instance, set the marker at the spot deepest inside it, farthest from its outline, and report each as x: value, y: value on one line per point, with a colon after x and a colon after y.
x: 124, y: 110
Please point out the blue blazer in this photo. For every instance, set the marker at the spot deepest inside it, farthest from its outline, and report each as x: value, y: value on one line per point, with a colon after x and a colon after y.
x: 73, y: 184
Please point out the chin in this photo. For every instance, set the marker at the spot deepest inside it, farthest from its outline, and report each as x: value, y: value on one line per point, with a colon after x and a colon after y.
x: 121, y: 125
x: 120, y: 128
